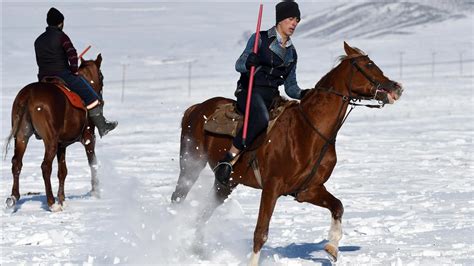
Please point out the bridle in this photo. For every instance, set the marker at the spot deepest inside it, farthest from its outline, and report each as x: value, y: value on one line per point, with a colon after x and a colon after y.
x: 100, y: 79
x: 346, y: 99
x: 353, y: 99
x: 376, y: 85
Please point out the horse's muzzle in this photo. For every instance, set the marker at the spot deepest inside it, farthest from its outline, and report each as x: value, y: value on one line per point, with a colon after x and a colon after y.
x: 389, y: 92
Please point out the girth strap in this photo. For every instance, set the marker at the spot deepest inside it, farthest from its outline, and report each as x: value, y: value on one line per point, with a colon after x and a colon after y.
x: 256, y: 171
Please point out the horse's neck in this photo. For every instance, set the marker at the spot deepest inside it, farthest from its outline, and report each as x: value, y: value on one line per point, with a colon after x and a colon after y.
x: 325, y: 110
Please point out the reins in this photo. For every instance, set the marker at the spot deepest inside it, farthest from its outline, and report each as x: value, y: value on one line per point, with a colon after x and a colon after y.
x: 328, y: 141
x: 350, y: 100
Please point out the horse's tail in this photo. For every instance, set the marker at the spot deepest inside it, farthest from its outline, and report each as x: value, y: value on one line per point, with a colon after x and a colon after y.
x: 186, y: 115
x: 18, y: 112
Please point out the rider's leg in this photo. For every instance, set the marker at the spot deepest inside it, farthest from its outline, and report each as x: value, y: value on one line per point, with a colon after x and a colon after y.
x: 102, y: 124
x: 258, y: 122
x: 92, y: 101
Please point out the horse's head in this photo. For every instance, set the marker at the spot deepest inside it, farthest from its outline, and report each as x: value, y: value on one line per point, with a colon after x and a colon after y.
x: 366, y: 79
x: 90, y: 70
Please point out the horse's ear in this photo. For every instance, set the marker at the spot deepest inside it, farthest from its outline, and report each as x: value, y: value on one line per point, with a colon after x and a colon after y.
x: 349, y: 50
x: 98, y: 60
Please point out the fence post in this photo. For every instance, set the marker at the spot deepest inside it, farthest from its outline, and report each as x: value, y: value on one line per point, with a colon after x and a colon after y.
x: 401, y: 64
x: 190, y: 64
x: 124, y: 67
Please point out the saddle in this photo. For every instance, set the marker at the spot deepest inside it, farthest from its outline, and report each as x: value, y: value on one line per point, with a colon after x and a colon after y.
x: 227, y: 120
x: 73, y: 97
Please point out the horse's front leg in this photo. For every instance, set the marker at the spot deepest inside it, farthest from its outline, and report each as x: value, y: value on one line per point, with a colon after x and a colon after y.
x: 88, y: 140
x: 319, y: 196
x: 62, y: 173
x: 267, y: 205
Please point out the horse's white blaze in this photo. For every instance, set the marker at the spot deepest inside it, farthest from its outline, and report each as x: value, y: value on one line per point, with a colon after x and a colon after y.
x: 254, y: 259
x: 335, y: 232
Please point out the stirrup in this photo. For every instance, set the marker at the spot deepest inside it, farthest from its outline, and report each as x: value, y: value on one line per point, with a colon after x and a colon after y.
x: 221, y: 163
x: 222, y: 172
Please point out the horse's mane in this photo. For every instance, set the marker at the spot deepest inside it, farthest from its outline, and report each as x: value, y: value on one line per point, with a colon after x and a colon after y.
x: 338, y: 61
x: 85, y: 63
x: 342, y: 57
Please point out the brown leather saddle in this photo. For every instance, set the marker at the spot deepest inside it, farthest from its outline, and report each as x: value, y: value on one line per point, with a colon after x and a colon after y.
x: 73, y: 97
x: 227, y: 120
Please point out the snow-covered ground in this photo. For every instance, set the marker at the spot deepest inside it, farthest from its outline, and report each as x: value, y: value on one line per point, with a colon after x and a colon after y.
x: 404, y: 174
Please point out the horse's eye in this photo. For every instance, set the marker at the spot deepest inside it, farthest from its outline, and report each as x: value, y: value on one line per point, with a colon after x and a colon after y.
x: 370, y: 64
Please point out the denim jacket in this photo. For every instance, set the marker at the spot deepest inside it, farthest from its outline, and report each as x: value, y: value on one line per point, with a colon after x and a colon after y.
x: 278, y: 64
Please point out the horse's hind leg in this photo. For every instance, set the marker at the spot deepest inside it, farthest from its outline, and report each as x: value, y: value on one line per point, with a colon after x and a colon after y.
x: 215, y: 198
x: 21, y: 141
x: 191, y: 162
x: 62, y: 172
x: 51, y: 148
x: 319, y: 196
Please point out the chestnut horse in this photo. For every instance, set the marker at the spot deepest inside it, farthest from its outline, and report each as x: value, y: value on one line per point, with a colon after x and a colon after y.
x: 301, y: 155
x: 42, y: 109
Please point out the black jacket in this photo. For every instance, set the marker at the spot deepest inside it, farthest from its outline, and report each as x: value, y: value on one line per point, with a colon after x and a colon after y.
x: 55, y: 52
x: 277, y: 65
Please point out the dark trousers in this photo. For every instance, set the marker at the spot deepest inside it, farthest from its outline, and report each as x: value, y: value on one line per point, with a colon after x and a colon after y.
x: 80, y: 86
x: 261, y: 101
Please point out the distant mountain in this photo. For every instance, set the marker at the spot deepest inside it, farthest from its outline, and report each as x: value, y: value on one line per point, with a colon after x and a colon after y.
x: 463, y: 6
x: 375, y: 19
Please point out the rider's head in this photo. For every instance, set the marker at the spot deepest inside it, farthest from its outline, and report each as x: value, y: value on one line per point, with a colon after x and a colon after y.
x: 54, y: 17
x: 287, y: 9
x: 287, y: 17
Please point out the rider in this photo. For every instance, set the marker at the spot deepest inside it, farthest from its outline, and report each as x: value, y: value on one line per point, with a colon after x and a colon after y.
x: 56, y: 56
x: 275, y: 65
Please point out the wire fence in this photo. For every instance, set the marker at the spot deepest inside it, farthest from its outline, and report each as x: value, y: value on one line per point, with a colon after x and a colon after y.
x: 183, y: 71
x: 180, y: 74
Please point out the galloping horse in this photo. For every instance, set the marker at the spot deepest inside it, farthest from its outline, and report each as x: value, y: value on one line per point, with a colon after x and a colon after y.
x: 41, y: 108
x: 301, y: 155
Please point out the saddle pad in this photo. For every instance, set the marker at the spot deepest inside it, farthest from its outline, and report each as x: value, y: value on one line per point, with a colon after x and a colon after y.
x: 73, y: 97
x: 227, y: 121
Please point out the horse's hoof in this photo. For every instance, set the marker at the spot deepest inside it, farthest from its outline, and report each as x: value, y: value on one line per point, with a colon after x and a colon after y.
x: 331, y: 251
x: 176, y: 198
x: 254, y: 258
x: 198, y: 250
x: 56, y: 208
x: 95, y: 193
x: 10, y: 202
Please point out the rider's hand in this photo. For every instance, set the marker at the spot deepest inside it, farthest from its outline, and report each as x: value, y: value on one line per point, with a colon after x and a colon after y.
x: 252, y: 60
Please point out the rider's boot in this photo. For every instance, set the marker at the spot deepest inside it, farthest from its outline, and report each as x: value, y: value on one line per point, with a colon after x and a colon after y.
x: 97, y: 116
x: 223, y: 169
